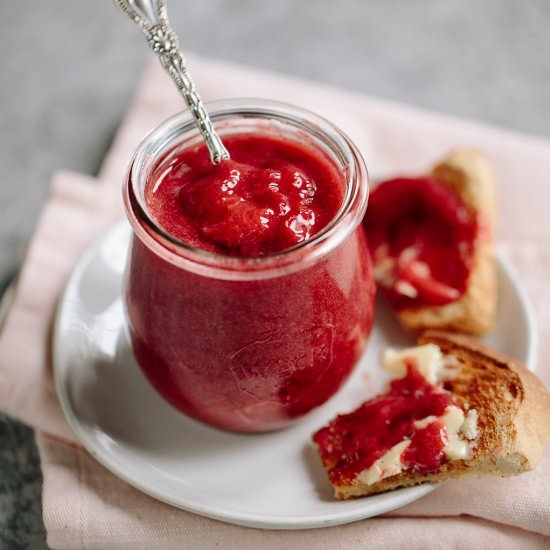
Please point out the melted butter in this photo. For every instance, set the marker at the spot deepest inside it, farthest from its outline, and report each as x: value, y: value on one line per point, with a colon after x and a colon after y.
x: 389, y: 464
x: 461, y: 431
x: 456, y: 448
x: 428, y: 359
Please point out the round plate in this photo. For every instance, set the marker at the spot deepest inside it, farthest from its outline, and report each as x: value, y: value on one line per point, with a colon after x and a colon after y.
x: 272, y: 480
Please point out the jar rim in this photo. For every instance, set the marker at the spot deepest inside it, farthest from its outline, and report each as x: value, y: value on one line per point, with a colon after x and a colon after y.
x: 164, y: 137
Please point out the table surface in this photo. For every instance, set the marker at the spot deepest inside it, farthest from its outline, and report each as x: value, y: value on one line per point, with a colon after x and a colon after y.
x: 69, y: 70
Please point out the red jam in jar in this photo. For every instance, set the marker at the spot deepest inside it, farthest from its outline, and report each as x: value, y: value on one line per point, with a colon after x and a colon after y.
x: 272, y: 195
x: 249, y: 291
x: 422, y: 237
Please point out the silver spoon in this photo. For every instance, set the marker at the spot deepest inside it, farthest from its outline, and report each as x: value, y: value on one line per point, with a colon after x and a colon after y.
x: 152, y: 19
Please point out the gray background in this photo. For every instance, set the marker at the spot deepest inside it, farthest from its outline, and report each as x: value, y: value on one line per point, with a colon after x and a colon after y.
x: 68, y: 69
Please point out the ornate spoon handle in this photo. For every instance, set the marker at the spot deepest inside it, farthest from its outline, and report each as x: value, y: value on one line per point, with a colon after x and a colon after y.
x: 151, y: 17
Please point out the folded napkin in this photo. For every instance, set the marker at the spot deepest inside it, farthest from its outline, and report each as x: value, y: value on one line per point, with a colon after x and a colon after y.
x: 85, y: 506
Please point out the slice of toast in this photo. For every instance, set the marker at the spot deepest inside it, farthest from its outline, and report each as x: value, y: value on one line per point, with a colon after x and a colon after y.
x: 468, y: 174
x: 447, y: 280
x: 512, y: 411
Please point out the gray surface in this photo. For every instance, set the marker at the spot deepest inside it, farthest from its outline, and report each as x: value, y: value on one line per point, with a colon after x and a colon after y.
x: 68, y: 69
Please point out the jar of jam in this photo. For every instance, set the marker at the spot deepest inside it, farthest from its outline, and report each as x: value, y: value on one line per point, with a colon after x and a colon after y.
x: 248, y: 290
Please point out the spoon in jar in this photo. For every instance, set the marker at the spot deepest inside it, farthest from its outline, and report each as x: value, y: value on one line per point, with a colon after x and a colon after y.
x: 152, y: 19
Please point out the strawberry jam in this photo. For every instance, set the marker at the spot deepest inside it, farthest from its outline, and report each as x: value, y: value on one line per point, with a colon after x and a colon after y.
x: 422, y: 237
x: 353, y: 442
x: 270, y: 196
x: 258, y: 306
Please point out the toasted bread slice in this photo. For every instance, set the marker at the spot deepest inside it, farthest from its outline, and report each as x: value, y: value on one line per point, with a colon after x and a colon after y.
x: 511, y: 405
x: 467, y: 173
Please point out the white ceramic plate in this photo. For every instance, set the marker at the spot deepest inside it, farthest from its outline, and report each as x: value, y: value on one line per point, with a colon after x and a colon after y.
x: 271, y: 480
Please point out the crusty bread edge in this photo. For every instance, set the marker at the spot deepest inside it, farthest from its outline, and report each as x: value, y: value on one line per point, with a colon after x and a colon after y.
x: 456, y: 470
x: 467, y: 173
x: 532, y: 420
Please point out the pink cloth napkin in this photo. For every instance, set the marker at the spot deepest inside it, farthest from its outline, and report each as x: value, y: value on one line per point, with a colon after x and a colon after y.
x: 84, y: 506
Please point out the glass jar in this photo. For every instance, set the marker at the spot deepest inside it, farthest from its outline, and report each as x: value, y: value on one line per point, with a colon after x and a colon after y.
x: 249, y: 343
